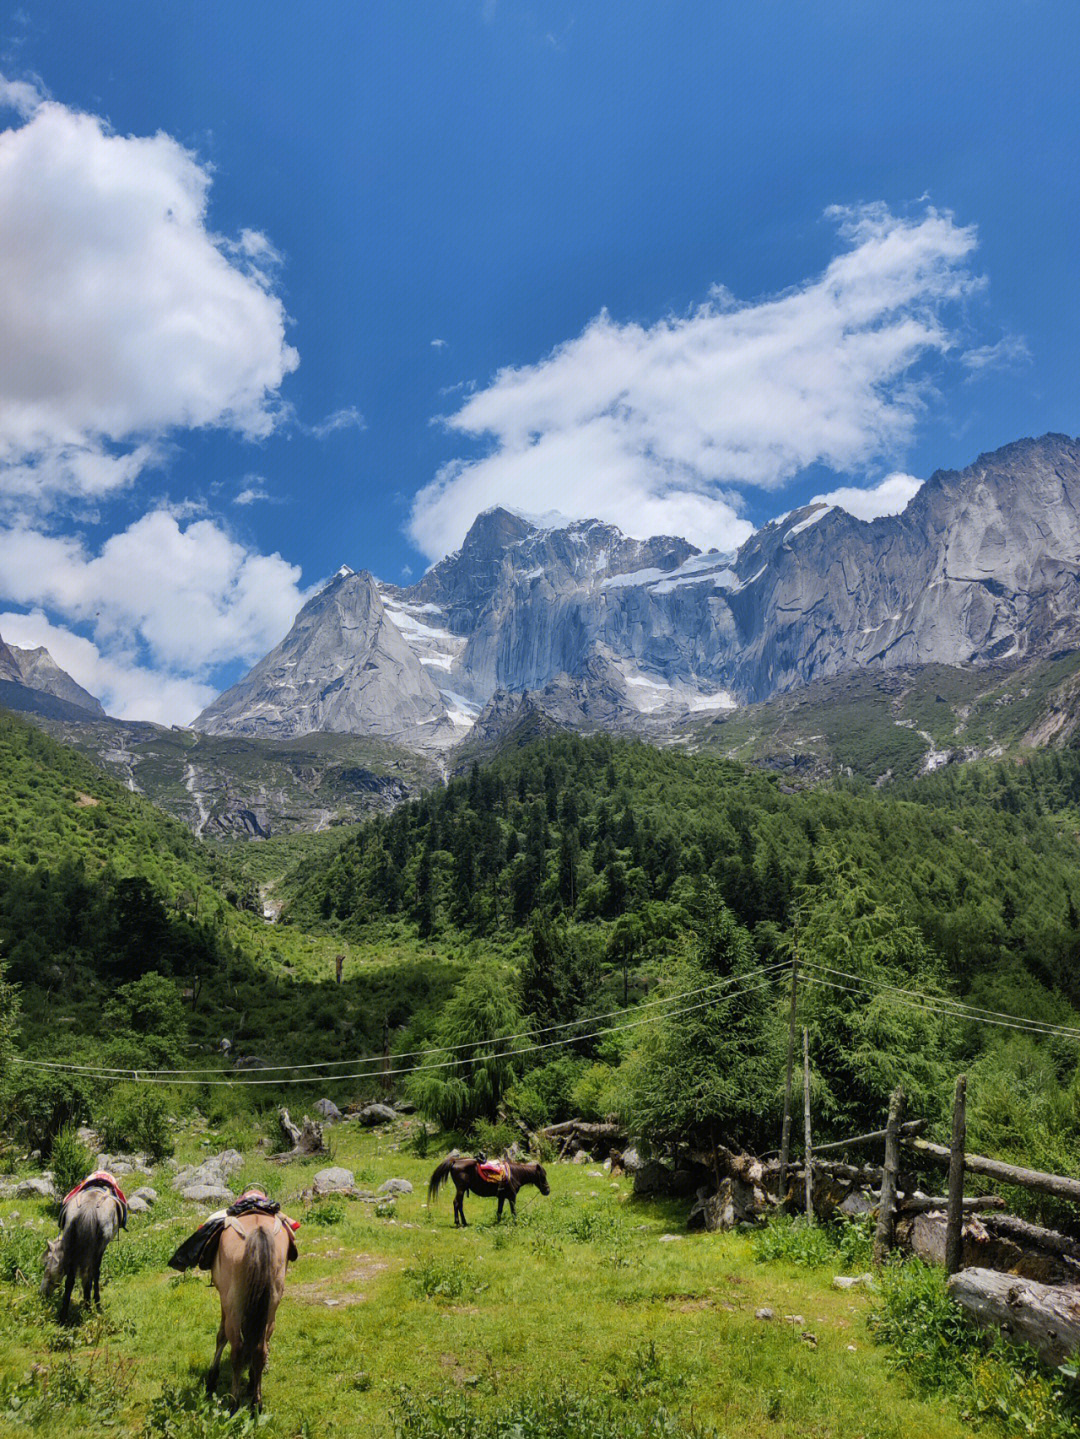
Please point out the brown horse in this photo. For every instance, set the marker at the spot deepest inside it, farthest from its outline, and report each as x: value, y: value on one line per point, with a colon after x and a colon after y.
x: 249, y: 1275
x: 463, y: 1169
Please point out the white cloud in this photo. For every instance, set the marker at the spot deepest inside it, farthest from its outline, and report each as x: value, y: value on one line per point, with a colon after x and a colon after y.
x: 122, y: 315
x: 889, y: 497
x: 127, y: 689
x: 254, y: 490
x: 164, y: 604
x: 438, y: 344
x: 22, y: 96
x: 347, y: 418
x: 1009, y: 350
x: 653, y: 427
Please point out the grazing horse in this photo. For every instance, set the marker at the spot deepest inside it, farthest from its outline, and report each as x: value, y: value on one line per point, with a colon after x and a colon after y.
x: 90, y: 1219
x: 464, y: 1170
x: 249, y: 1275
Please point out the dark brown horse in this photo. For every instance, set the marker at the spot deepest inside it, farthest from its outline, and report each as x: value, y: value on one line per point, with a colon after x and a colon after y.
x: 463, y: 1169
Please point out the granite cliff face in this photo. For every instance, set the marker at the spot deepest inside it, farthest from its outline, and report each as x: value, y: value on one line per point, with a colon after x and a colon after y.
x: 344, y: 667
x: 607, y: 631
x: 32, y: 682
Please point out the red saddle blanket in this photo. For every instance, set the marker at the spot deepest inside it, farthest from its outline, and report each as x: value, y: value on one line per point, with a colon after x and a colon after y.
x: 100, y: 1179
x: 494, y: 1171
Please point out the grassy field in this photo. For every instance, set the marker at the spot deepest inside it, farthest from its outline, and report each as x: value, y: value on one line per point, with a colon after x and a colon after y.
x: 582, y: 1318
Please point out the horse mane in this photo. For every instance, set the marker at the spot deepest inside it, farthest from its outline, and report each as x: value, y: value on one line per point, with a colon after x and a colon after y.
x: 258, y: 1268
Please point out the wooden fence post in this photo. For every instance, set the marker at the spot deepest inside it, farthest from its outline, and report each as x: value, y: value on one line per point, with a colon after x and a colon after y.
x: 808, y: 1144
x: 883, y: 1238
x: 785, y: 1135
x: 954, y: 1237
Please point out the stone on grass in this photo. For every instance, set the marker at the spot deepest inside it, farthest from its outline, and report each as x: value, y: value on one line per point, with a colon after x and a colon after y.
x: 631, y: 1160
x: 327, y: 1181
x: 376, y: 1114
x: 395, y: 1186
x: 853, y: 1281
x: 213, y: 1171
x: 582, y: 1157
x: 328, y: 1110
x: 764, y: 1314
x: 207, y: 1194
x: 137, y: 1205
x: 38, y: 1187
x: 405, y: 1106
x: 146, y: 1194
x: 669, y: 1238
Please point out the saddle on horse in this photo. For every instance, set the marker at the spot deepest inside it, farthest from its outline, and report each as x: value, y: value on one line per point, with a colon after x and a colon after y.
x: 493, y: 1171
x: 100, y: 1179
x: 201, y: 1247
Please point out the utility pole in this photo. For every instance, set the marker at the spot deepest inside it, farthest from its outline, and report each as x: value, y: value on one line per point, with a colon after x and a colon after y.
x: 785, y: 1138
x: 808, y: 1144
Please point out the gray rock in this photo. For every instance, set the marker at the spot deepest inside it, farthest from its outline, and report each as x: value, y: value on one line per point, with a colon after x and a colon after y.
x: 373, y: 1114
x: 631, y: 1160
x: 395, y: 1186
x: 853, y: 1281
x: 36, y: 1187
x: 213, y: 1171
x: 653, y: 1178
x: 137, y: 1205
x: 334, y: 1178
x: 764, y: 1314
x: 344, y: 667
x: 146, y: 1194
x: 404, y: 1106
x: 582, y: 1157
x: 328, y: 1110
x: 207, y: 1194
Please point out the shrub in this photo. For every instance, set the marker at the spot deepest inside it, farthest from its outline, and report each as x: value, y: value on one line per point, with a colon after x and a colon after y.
x: 494, y: 1138
x: 540, y: 1414
x: 70, y: 1160
x: 809, y: 1245
x: 136, y: 1117
x: 37, y: 1104
x: 326, y: 1212
x: 184, y: 1412
x: 942, y: 1351
x: 433, y: 1278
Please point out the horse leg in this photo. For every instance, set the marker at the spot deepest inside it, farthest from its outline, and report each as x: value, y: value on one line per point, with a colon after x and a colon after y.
x: 69, y: 1285
x: 513, y: 1207
x: 87, y: 1286
x: 258, y: 1364
x: 215, y: 1367
x: 498, y: 1213
x: 97, y: 1283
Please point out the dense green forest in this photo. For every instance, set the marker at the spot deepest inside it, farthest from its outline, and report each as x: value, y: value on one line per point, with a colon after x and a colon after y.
x: 569, y: 878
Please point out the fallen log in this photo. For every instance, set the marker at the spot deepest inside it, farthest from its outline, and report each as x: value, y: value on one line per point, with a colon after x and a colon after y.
x: 980, y: 1248
x: 1034, y: 1234
x: 1046, y: 1316
x: 908, y: 1129
x: 973, y: 1204
x: 584, y: 1129
x: 1055, y: 1184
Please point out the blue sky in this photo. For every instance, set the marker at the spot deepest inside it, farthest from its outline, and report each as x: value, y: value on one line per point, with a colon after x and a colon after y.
x: 289, y: 286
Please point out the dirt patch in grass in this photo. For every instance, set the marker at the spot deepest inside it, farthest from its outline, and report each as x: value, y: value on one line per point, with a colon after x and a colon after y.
x: 339, y: 1289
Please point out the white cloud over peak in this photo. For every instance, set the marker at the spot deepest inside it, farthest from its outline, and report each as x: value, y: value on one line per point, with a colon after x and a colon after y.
x: 656, y: 427
x: 889, y: 497
x: 122, y: 315
x: 164, y: 605
x: 127, y: 689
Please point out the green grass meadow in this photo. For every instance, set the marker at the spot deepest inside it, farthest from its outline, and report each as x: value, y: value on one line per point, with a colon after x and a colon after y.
x: 581, y: 1314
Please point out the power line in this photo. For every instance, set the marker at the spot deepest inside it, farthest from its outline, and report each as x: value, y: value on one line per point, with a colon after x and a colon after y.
x: 975, y: 1014
x: 114, y: 1072
x: 136, y: 1076
x: 905, y: 997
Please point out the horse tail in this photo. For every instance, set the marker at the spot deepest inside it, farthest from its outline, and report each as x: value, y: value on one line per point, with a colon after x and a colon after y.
x: 258, y: 1269
x: 439, y: 1177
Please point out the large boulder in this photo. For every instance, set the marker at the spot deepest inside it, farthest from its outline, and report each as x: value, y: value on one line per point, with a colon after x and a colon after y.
x: 373, y: 1114
x: 631, y: 1161
x: 395, y: 1186
x: 332, y: 1180
x: 137, y: 1205
x: 328, y: 1110
x: 207, y: 1194
x: 653, y: 1178
x: 145, y: 1193
x: 213, y: 1171
x: 38, y: 1187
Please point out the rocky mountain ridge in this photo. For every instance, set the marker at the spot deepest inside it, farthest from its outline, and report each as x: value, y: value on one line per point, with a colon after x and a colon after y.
x: 32, y: 682
x: 982, y: 566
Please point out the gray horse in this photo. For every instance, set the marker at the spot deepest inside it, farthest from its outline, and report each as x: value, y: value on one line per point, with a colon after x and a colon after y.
x: 90, y: 1219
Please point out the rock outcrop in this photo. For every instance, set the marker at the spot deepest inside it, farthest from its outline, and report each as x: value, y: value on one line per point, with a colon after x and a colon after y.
x: 604, y: 631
